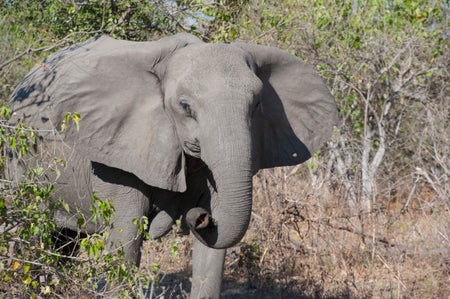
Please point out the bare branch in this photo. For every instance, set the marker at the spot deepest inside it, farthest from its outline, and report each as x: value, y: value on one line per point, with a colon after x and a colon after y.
x: 31, y: 50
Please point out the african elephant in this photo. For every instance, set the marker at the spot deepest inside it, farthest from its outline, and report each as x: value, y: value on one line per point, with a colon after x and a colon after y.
x: 173, y: 128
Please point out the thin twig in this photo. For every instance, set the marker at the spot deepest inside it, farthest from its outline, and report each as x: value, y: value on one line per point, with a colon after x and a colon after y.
x: 353, y: 231
x: 30, y: 50
x: 392, y: 271
x: 3, y: 125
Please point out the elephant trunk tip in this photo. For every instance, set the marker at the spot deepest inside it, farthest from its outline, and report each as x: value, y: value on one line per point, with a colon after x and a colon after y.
x: 212, y: 232
x: 199, y: 218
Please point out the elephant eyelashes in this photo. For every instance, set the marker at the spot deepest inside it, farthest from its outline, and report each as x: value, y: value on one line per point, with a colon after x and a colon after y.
x: 187, y: 108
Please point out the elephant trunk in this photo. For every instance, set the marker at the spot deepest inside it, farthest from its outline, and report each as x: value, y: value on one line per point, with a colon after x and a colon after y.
x: 224, y: 222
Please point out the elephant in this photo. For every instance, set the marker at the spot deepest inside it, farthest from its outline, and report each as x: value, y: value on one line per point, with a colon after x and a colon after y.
x: 172, y: 129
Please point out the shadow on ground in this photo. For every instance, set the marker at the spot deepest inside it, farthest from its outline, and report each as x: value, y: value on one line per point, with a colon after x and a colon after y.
x: 177, y: 286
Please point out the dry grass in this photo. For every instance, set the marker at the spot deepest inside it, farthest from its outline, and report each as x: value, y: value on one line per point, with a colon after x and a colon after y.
x: 304, y: 242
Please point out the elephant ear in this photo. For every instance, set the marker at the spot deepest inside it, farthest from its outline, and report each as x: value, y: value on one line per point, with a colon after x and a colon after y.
x: 112, y: 85
x: 297, y: 111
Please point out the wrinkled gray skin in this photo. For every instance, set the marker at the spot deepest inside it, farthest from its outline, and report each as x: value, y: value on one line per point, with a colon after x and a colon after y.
x: 173, y: 128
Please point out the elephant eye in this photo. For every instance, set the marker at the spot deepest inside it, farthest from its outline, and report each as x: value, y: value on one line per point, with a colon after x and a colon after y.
x: 185, y: 105
x: 187, y: 108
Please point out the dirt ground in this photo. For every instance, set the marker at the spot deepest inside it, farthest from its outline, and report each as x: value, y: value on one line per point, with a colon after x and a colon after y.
x: 304, y: 243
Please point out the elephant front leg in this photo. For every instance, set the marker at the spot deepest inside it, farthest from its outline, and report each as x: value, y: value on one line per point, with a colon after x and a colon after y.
x: 207, y: 271
x: 130, y: 203
x: 125, y: 234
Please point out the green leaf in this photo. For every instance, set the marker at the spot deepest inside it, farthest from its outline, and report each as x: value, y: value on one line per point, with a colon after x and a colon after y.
x: 76, y: 119
x: 35, y: 230
x: 27, y: 279
x: 26, y: 268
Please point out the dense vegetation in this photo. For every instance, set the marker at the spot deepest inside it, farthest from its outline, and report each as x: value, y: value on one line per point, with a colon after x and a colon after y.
x: 368, y: 216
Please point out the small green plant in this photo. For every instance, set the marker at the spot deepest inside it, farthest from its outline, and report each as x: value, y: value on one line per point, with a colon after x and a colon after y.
x: 26, y: 243
x: 143, y: 225
x: 33, y: 263
x: 71, y: 117
x: 249, y: 259
x: 102, y: 209
x: 175, y: 251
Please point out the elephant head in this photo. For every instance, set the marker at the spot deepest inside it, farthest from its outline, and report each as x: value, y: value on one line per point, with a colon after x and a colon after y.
x: 146, y: 105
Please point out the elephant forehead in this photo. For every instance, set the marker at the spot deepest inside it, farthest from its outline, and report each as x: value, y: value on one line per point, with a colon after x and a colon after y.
x: 209, y: 58
x: 207, y: 66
